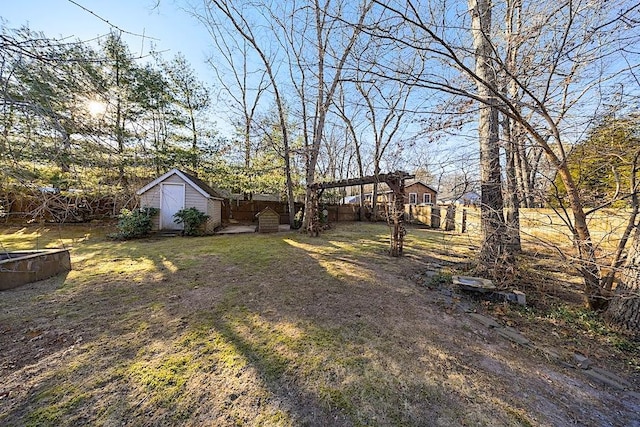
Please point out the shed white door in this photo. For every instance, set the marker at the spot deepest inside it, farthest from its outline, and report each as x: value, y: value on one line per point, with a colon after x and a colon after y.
x: 171, y: 201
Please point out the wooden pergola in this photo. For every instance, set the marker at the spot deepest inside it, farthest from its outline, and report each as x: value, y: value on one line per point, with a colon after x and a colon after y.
x: 395, y: 181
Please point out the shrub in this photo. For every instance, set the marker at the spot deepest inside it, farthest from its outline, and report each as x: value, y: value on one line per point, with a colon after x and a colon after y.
x: 192, y: 219
x: 134, y: 224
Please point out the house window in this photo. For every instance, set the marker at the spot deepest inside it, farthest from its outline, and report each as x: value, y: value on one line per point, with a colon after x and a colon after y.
x: 426, y: 198
x: 413, y: 198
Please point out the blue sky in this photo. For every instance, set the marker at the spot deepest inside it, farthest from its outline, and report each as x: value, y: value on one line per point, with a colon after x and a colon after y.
x: 174, y: 29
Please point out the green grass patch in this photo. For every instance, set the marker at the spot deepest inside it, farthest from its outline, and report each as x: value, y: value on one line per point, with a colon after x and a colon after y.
x: 55, y: 405
x: 439, y: 280
x: 582, y: 318
x: 163, y: 377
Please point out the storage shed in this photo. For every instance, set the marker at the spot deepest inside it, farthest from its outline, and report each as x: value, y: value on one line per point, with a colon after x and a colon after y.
x: 268, y: 221
x: 176, y: 190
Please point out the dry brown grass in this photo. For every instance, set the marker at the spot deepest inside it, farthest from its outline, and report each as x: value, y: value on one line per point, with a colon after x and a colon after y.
x: 270, y: 330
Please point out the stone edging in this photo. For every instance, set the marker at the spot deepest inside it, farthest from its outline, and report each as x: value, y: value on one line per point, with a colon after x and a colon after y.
x: 577, y: 361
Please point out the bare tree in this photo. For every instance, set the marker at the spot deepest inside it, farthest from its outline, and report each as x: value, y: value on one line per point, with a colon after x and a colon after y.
x: 351, y: 114
x: 244, y: 85
x: 493, y: 226
x: 574, y: 58
x: 319, y: 45
x: 512, y: 136
x: 233, y: 14
x: 386, y: 102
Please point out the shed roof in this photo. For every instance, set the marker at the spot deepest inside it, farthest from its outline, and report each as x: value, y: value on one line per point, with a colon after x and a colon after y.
x: 200, y: 186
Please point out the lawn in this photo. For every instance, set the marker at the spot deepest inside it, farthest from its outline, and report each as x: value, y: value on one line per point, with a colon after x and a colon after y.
x: 288, y: 330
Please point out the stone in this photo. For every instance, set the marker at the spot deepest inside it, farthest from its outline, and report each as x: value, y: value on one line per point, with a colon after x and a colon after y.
x: 582, y: 361
x: 612, y: 376
x: 430, y: 274
x: 513, y: 335
x: 521, y: 298
x: 475, y: 284
x: 464, y: 307
x: 486, y: 321
x: 550, y: 352
x: 605, y: 379
x: 446, y: 292
x: 516, y: 297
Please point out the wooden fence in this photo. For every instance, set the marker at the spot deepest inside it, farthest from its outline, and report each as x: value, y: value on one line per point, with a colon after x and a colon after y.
x: 245, y: 211
x: 605, y: 226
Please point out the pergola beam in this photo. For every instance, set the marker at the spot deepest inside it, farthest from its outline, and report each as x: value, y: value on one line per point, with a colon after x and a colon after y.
x: 395, y: 181
x: 383, y: 177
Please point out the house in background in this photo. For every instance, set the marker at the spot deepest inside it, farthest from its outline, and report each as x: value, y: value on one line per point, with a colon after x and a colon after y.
x: 176, y: 190
x: 419, y: 193
x: 415, y: 193
x: 470, y: 198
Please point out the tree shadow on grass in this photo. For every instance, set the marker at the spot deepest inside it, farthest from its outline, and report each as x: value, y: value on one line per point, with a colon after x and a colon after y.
x: 276, y: 337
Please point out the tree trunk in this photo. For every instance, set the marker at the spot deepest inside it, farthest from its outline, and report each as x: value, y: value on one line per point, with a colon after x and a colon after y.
x: 194, y: 140
x: 492, y: 224
x: 624, y: 309
x: 312, y: 214
x: 289, y: 182
x: 120, y: 127
x: 65, y: 154
x: 512, y: 202
x: 589, y: 266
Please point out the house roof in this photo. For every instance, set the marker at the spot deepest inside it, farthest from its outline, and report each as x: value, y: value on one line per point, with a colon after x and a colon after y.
x: 409, y: 182
x: 471, y: 195
x: 200, y: 186
x: 350, y: 199
x: 384, y: 188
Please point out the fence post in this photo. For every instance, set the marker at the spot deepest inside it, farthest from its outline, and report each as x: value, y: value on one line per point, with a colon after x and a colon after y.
x: 435, y: 217
x: 450, y: 219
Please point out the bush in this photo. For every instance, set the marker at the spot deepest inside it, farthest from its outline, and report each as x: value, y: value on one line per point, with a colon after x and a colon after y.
x: 192, y: 219
x: 134, y: 224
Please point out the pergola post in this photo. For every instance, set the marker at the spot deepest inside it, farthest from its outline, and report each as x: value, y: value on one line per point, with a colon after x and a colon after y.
x: 394, y: 180
x: 313, y: 225
x: 396, y: 184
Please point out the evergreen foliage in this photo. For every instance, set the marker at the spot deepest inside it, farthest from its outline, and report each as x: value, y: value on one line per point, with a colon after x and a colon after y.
x: 193, y: 220
x: 133, y: 224
x: 601, y: 165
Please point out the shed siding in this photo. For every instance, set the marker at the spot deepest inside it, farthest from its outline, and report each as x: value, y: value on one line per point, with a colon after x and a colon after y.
x: 215, y: 215
x: 173, y: 179
x: 193, y: 198
x: 151, y: 199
